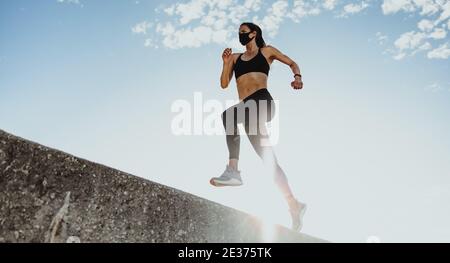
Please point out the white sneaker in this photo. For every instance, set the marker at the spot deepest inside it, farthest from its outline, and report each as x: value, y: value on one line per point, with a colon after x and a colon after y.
x: 297, y: 212
x: 230, y: 177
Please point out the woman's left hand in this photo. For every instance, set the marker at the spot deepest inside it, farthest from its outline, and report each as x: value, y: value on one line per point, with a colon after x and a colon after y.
x: 297, y: 84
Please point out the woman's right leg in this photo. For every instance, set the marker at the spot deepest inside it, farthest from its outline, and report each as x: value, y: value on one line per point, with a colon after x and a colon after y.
x: 233, y: 163
x: 230, y: 122
x: 231, y: 176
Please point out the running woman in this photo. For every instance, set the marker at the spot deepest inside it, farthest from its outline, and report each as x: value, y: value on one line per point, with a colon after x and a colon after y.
x: 256, y: 107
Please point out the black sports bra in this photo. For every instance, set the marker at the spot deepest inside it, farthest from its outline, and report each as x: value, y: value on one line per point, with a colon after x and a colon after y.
x: 256, y: 64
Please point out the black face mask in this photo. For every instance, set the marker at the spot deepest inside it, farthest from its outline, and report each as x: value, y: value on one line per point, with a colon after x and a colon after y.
x: 244, y: 38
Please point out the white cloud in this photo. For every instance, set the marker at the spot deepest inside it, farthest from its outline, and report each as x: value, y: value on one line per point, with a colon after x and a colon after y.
x: 446, y: 11
x: 329, y: 4
x: 393, y: 6
x: 303, y: 9
x: 399, y: 56
x: 435, y: 87
x: 193, y: 23
x: 170, y: 10
x: 381, y: 38
x: 434, y: 12
x: 428, y: 7
x: 216, y: 19
x: 197, y: 22
x: 190, y: 37
x: 442, y: 52
x: 75, y: 2
x: 150, y: 43
x: 425, y: 25
x: 275, y: 15
x: 423, y: 47
x: 410, y: 43
x: 254, y: 5
x: 222, y: 18
x: 438, y: 33
x: 413, y: 42
x: 190, y: 10
x: 353, y: 8
x: 141, y: 28
x: 409, y: 40
x: 165, y: 29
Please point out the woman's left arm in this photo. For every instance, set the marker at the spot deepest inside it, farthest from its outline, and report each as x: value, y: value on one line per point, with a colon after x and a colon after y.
x: 278, y: 55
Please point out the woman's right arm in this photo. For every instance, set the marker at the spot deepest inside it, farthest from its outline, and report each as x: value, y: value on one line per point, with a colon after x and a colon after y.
x: 227, y: 70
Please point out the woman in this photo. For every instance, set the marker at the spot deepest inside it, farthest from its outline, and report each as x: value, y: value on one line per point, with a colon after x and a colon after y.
x: 251, y: 70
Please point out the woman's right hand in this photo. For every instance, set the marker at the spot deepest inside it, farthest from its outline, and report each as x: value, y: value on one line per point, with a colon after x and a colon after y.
x: 227, y: 55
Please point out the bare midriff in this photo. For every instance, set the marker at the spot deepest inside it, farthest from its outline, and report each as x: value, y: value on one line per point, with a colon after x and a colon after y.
x: 249, y: 83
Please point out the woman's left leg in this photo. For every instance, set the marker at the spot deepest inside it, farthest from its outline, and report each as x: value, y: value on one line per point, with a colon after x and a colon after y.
x: 256, y: 130
x: 265, y: 151
x: 260, y: 141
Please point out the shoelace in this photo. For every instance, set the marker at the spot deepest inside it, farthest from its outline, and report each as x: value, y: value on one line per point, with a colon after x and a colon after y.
x: 226, y: 175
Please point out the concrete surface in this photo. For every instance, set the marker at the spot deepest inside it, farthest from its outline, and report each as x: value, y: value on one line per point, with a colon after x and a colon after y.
x: 47, y: 195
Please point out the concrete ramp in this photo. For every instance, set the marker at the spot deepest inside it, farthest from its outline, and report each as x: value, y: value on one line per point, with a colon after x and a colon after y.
x: 47, y: 195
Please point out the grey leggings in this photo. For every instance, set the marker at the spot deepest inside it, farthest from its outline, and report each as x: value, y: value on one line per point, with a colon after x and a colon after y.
x: 254, y: 111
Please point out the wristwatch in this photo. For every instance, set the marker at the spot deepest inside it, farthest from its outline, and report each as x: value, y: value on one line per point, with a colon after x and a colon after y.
x: 298, y: 75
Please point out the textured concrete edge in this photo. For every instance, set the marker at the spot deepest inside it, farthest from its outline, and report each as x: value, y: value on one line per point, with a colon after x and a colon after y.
x: 306, y: 237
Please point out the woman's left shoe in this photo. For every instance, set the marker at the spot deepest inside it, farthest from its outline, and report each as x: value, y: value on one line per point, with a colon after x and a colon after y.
x: 297, y: 210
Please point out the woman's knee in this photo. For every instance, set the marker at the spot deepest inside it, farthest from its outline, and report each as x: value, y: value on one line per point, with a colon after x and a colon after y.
x: 223, y: 116
x: 279, y: 176
x: 270, y: 111
x: 229, y: 117
x: 226, y: 114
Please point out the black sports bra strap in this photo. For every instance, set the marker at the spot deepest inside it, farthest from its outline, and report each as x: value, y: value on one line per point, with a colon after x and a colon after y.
x: 257, y: 54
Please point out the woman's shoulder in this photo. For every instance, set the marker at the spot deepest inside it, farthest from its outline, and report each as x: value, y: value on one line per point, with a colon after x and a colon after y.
x: 268, y: 48
x: 236, y: 56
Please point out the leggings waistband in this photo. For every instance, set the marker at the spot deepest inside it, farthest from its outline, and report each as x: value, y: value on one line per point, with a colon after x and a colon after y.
x: 261, y: 94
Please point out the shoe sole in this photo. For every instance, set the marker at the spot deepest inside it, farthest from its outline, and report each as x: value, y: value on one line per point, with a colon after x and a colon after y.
x: 219, y: 184
x: 302, y: 213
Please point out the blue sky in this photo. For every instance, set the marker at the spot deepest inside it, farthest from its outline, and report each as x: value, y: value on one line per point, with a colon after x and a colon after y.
x: 365, y: 144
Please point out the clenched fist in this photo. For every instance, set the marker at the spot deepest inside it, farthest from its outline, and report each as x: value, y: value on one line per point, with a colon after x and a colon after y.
x: 227, y: 55
x: 297, y: 83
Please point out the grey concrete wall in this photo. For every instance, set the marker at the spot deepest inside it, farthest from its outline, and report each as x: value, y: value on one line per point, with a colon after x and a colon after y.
x: 47, y: 195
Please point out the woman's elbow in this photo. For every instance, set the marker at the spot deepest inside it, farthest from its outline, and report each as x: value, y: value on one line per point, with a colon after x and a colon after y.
x: 224, y: 84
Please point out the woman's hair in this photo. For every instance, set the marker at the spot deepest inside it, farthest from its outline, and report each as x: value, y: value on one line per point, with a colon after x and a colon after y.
x: 259, y: 38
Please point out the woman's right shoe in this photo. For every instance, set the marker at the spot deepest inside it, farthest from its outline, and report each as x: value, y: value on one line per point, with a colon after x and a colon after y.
x: 230, y: 177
